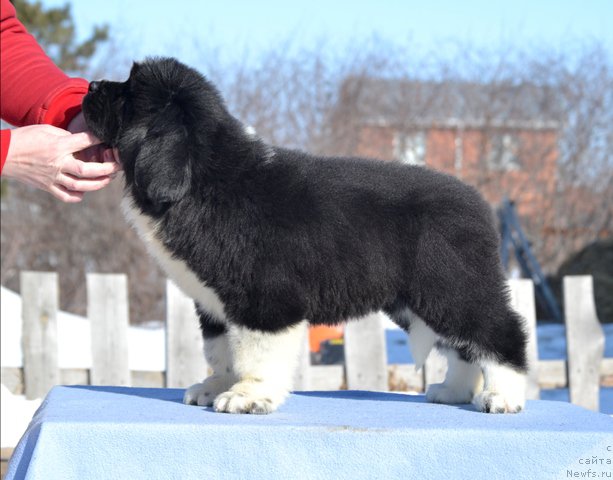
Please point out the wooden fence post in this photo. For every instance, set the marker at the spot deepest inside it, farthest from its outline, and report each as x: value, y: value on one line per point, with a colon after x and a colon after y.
x: 584, y: 341
x: 185, y: 363
x: 40, y: 299
x: 107, y: 310
x: 365, y: 354
x: 522, y: 300
x: 302, y: 377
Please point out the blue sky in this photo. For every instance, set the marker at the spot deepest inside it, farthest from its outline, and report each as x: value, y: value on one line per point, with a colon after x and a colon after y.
x: 149, y: 27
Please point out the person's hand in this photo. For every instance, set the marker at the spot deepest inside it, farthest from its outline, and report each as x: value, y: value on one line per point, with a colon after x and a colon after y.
x: 97, y: 153
x: 44, y: 156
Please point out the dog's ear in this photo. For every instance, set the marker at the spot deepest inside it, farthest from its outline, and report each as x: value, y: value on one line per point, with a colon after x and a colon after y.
x: 162, y: 167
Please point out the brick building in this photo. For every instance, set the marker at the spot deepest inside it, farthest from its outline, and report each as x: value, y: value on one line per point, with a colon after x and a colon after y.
x: 500, y: 138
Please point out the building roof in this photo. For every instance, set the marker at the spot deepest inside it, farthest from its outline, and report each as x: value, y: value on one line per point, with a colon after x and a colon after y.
x: 411, y: 104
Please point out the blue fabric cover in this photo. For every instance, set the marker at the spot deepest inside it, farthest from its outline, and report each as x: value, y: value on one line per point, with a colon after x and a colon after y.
x: 144, y: 433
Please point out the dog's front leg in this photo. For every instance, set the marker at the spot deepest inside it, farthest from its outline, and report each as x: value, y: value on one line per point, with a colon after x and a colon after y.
x: 264, y: 363
x: 218, y: 357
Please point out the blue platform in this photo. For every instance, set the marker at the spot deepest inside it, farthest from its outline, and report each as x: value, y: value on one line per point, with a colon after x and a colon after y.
x: 141, y: 433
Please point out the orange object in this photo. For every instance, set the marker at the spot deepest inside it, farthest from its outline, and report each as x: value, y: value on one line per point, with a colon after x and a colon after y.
x: 320, y: 333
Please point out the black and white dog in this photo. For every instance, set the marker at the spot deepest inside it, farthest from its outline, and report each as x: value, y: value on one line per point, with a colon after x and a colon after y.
x: 267, y: 240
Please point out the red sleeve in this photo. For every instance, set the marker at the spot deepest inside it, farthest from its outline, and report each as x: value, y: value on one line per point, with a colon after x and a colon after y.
x: 32, y: 88
x: 5, y: 139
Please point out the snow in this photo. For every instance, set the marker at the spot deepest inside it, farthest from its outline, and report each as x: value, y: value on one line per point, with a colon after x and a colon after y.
x: 146, y: 347
x: 15, y: 414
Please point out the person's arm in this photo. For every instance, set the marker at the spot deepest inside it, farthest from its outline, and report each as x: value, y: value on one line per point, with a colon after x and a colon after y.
x: 33, y: 89
x: 5, y: 139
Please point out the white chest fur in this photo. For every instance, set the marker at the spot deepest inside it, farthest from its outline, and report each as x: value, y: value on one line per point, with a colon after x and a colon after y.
x: 177, y: 270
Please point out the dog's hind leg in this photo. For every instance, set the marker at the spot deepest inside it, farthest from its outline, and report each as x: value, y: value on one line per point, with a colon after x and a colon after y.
x: 504, y: 389
x: 499, y: 350
x: 218, y: 356
x: 264, y: 363
x: 504, y: 367
x: 486, y: 352
x: 462, y: 381
x: 421, y: 337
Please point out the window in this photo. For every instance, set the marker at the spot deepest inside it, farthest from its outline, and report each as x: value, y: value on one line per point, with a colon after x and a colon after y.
x: 410, y: 147
x: 504, y: 152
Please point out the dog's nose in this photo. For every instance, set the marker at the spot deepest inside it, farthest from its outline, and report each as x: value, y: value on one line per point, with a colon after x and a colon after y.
x: 93, y: 86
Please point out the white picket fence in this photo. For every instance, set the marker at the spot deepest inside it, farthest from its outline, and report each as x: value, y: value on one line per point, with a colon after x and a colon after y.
x: 365, y: 366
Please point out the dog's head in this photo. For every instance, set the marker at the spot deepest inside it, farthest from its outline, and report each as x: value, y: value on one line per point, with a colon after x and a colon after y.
x: 161, y: 119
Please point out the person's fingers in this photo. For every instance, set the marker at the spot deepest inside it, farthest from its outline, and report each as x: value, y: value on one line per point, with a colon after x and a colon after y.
x: 111, y: 155
x: 65, y: 195
x: 80, y: 169
x: 80, y: 141
x: 75, y: 184
x: 116, y: 167
x: 55, y: 131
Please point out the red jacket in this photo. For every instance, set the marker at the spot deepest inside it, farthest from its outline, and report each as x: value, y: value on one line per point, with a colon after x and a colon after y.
x: 32, y: 88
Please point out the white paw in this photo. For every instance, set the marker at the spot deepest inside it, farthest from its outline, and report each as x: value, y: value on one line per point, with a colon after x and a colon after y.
x: 443, y: 393
x: 204, y: 393
x: 504, y: 391
x: 248, y: 397
x: 493, y: 402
